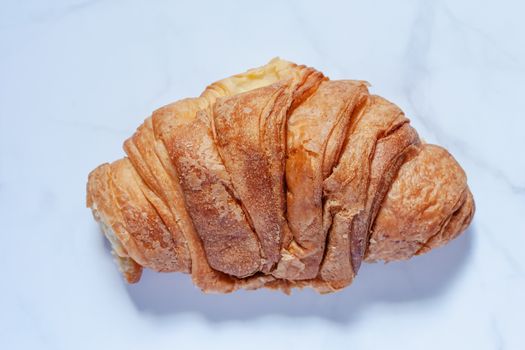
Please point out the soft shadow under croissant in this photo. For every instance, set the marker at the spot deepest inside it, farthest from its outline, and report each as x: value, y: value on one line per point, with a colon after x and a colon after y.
x: 279, y: 178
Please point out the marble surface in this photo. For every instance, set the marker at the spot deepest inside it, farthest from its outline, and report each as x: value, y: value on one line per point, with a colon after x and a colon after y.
x: 77, y: 77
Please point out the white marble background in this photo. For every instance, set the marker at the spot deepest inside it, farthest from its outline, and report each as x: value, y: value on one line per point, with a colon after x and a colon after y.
x: 77, y: 77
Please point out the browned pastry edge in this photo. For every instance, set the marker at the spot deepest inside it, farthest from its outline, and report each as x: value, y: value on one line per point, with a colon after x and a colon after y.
x: 277, y: 178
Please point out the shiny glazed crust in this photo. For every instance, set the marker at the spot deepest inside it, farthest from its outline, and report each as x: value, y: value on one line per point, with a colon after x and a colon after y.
x: 278, y: 178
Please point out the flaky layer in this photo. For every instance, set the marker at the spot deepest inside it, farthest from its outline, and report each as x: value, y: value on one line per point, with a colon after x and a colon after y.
x: 278, y: 178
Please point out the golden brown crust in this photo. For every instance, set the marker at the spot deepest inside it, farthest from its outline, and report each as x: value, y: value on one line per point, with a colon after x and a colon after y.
x: 230, y: 244
x: 428, y: 204
x: 174, y: 125
x: 277, y: 178
x: 377, y: 138
x: 153, y: 240
x: 316, y: 132
x: 105, y: 210
x: 143, y: 154
x: 249, y: 130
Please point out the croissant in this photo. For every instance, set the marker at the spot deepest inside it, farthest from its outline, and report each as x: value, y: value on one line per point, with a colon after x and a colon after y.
x: 278, y: 178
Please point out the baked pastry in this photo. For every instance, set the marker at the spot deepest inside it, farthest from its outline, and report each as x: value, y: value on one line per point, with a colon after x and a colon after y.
x: 279, y: 178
